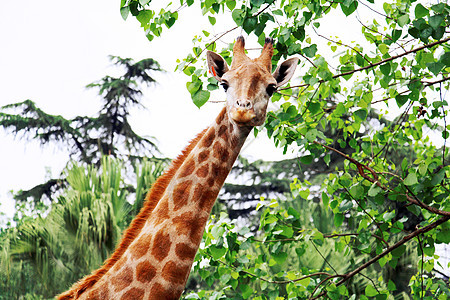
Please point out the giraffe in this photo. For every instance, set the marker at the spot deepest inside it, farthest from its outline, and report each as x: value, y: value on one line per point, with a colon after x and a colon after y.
x: 154, y: 258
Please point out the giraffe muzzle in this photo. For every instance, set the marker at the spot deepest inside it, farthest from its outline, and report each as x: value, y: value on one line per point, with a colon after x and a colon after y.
x: 242, y: 115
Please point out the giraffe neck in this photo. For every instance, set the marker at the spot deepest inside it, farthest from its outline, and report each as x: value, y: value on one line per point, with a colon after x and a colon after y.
x: 157, y: 262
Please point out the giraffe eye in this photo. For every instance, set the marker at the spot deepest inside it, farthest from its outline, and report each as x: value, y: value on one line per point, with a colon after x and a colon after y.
x: 271, y: 88
x: 224, y: 85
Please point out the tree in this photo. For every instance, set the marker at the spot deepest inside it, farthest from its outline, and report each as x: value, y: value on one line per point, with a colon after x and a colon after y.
x: 89, y: 138
x: 77, y: 234
x: 400, y: 62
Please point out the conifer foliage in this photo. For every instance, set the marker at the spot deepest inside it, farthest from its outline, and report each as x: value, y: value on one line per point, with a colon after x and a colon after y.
x: 89, y: 138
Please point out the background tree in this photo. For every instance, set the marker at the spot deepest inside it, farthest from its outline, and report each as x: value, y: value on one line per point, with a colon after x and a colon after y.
x: 400, y: 62
x: 46, y: 252
x: 89, y: 138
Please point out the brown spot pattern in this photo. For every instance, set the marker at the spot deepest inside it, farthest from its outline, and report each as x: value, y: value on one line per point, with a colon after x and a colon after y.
x: 220, y: 152
x: 181, y: 194
x: 219, y: 173
x: 175, y: 273
x: 208, y: 139
x: 187, y: 168
x: 211, y: 181
x: 223, y: 132
x: 207, y: 199
x: 99, y: 293
x: 184, y: 251
x: 133, y: 294
x: 140, y: 246
x: 221, y: 116
x: 161, y: 245
x: 119, y: 264
x: 255, y: 79
x: 162, y: 211
x: 190, y: 225
x: 203, y: 156
x: 158, y: 292
x: 145, y: 272
x: 203, y: 171
x: 123, y: 279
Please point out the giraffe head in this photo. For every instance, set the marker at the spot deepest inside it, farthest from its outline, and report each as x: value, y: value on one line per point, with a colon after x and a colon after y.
x: 249, y: 83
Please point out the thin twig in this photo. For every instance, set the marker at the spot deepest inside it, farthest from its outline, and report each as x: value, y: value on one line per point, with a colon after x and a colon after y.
x: 375, y: 11
x: 421, y: 265
x: 342, y: 44
x: 324, y: 258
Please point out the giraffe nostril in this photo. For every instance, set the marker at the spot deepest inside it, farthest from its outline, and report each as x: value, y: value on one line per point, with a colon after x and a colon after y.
x: 247, y: 104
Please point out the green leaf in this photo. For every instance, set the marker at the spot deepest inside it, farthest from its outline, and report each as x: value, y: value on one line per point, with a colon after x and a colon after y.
x: 374, y: 190
x: 397, y: 252
x: 445, y: 59
x: 325, y: 199
x: 385, y: 69
x: 257, y: 3
x: 246, y: 290
x: 345, y: 180
x: 314, y: 107
x: 387, y: 216
x: 200, y: 98
x: 443, y: 236
x: 307, y: 159
x: 311, y: 135
x: 212, y: 20
x: 356, y: 191
x: 411, y: 179
x: 391, y: 286
x: 231, y: 4
x: 193, y: 87
x: 435, y: 21
x: 438, y: 177
x: 217, y: 252
x: 370, y: 291
x: 144, y: 17
x: 401, y: 100
x: 349, y: 6
x: 124, y: 12
x: 238, y: 16
x: 249, y: 24
x: 403, y: 20
x: 280, y: 258
x: 338, y: 219
x: 420, y: 11
x: 310, y: 51
x: 361, y: 114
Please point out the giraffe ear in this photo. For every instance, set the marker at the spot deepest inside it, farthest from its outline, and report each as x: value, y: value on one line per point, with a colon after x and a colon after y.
x: 217, y: 66
x: 284, y: 72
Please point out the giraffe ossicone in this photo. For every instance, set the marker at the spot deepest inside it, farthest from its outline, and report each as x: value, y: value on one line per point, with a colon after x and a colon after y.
x: 155, y: 255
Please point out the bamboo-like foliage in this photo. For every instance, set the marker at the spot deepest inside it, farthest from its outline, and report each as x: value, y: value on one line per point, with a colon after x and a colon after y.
x: 79, y: 231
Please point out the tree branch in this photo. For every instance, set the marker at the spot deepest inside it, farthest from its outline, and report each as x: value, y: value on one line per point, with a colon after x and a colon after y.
x: 374, y: 179
x: 388, y: 250
x: 385, y: 60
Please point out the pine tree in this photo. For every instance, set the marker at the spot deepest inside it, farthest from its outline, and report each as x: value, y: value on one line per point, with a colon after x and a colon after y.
x: 88, y: 138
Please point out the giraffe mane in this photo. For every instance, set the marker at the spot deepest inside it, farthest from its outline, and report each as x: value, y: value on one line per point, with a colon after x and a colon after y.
x: 151, y: 200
